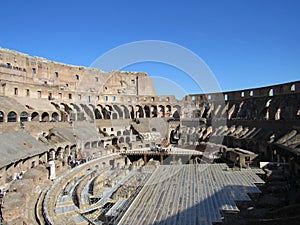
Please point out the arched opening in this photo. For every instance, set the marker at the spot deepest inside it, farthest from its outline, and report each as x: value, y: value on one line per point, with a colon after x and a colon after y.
x: 168, y: 111
x: 225, y: 97
x: 101, y: 144
x: 293, y: 87
x: 161, y: 111
x: 131, y: 110
x: 35, y: 116
x: 98, y: 115
x: 76, y: 107
x: 176, y: 115
x: 51, y: 154
x: 118, y: 109
x: 23, y: 116
x: 58, y: 153
x: 55, y: 117
x: 121, y: 139
x: 12, y: 117
x: 115, y: 141
x: 176, y: 112
x: 106, y: 111
x: 126, y: 112
x: 1, y: 117
x: 126, y: 132
x: 45, y: 117
x: 154, y: 110
x: 67, y: 151
x: 139, y: 112
x: 87, y: 145
x: 88, y: 111
x: 277, y: 114
x: 114, y: 116
x: 94, y: 144
x: 268, y: 103
x: 147, y: 111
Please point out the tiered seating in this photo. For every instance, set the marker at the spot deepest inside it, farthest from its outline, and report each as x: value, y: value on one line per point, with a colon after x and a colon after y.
x: 61, y: 197
x: 202, y: 192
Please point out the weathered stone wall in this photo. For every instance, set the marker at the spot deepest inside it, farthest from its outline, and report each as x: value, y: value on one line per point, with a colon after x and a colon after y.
x: 60, y: 80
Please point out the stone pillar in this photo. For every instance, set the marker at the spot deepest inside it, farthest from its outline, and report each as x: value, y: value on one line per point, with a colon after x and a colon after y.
x: 145, y: 159
x: 52, y: 170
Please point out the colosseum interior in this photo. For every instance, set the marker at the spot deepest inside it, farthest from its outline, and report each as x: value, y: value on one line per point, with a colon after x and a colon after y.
x: 83, y: 146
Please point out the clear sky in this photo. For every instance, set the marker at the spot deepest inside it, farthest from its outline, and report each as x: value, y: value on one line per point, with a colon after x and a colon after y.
x: 246, y: 44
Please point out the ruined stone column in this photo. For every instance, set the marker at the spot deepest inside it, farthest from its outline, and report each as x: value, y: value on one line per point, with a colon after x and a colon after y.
x: 52, y: 170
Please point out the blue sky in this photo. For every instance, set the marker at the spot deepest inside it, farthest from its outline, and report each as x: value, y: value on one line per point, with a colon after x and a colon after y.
x: 245, y: 43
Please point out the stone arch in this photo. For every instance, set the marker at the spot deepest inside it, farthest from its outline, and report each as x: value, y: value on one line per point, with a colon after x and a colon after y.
x: 126, y: 132
x: 23, y: 116
x: 101, y: 143
x: 87, y: 145
x: 168, y: 110
x: 176, y: 115
x: 154, y: 110
x: 293, y: 87
x: 119, y: 111
x: 67, y: 151
x: 176, y: 111
x: 1, y: 117
x: 55, y: 117
x: 139, y: 111
x: 35, y: 116
x: 59, y: 153
x: 92, y: 106
x: 278, y: 114
x: 114, y: 141
x: 126, y: 112
x: 51, y: 154
x: 161, y: 111
x: 76, y: 107
x: 147, y: 111
x: 268, y: 103
x: 121, y: 140
x: 94, y: 144
x: 45, y: 117
x: 106, y: 111
x: 73, y: 151
x: 66, y: 108
x: 98, y: 114
x: 131, y: 110
x: 65, y: 111
x: 12, y: 116
x: 115, y: 116
x: 88, y: 111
